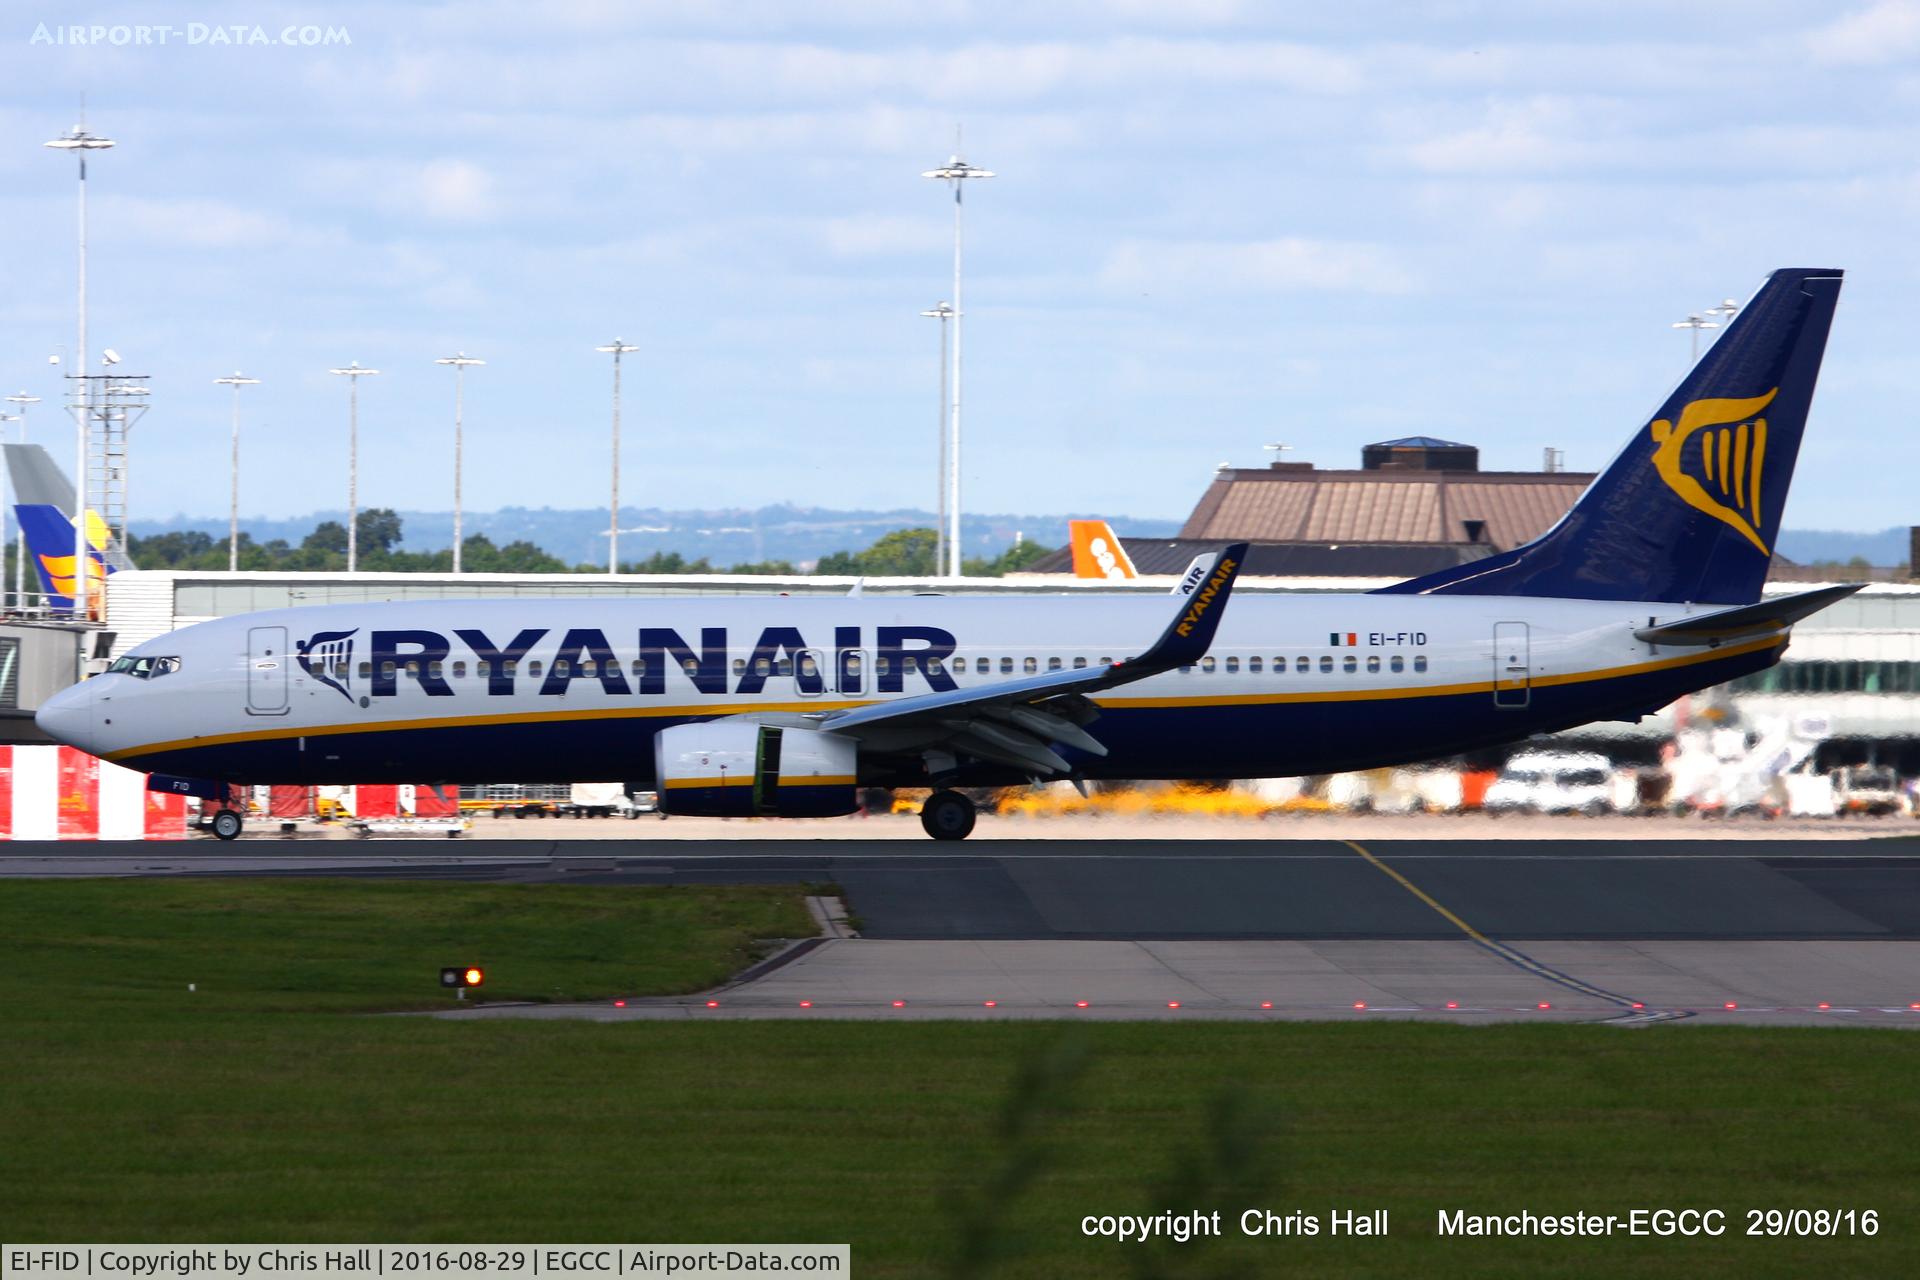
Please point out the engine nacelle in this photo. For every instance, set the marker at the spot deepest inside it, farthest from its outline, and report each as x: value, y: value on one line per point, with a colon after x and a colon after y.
x: 739, y: 769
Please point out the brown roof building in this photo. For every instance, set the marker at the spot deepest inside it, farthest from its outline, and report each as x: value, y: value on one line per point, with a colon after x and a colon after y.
x: 1415, y: 506
x: 1418, y: 490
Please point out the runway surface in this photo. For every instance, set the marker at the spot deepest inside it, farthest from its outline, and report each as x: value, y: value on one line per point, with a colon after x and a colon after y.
x: 1472, y: 931
x: 1172, y: 890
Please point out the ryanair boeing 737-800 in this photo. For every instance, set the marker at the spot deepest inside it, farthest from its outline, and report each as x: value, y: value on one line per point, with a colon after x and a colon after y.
x: 1647, y: 589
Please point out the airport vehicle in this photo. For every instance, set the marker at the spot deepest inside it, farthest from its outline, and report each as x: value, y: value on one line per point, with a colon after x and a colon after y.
x: 1553, y: 782
x: 1097, y: 553
x: 1867, y: 788
x: 784, y: 706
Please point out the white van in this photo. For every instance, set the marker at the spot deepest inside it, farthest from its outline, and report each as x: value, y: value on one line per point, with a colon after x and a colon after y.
x: 1553, y: 782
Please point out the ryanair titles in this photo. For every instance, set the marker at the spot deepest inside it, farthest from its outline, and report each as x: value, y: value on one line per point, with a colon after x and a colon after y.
x: 361, y: 667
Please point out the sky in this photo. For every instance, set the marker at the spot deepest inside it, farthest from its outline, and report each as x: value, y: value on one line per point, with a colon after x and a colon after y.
x: 1215, y: 225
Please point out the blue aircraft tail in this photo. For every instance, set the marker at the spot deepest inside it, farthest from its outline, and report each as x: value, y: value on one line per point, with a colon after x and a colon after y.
x: 50, y: 543
x: 1688, y: 511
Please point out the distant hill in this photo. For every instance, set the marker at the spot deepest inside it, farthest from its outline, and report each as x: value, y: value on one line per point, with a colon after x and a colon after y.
x: 725, y: 537
x: 1805, y: 546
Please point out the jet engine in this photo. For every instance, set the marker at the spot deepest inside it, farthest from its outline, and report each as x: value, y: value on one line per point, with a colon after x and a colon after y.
x: 740, y: 768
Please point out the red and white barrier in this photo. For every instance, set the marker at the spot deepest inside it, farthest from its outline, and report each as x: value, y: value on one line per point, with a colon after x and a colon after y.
x: 60, y: 793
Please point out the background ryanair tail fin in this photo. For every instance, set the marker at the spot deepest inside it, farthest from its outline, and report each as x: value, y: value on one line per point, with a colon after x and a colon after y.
x: 1688, y: 511
x: 49, y: 537
x: 1096, y: 552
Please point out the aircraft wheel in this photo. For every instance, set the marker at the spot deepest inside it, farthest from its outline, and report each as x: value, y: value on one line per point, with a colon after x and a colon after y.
x: 227, y: 824
x: 947, y: 815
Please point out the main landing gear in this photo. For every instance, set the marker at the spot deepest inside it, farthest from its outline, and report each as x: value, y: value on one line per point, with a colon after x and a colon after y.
x: 227, y: 824
x: 947, y: 815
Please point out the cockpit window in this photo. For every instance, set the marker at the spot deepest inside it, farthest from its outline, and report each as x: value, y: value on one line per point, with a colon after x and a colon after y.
x: 144, y: 666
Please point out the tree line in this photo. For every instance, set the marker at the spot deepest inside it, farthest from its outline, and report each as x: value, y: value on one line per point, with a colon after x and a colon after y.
x: 902, y: 553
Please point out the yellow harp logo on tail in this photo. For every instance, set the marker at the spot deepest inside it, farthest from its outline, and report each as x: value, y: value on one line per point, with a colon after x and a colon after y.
x: 1730, y: 458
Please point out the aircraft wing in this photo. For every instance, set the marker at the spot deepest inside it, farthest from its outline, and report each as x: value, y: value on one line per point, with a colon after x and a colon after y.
x: 1018, y: 722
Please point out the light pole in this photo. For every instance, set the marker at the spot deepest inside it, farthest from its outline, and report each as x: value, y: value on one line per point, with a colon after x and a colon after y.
x: 955, y: 174
x: 236, y: 381
x: 353, y: 373
x: 1696, y: 323
x: 4, y: 419
x: 79, y: 142
x: 459, y: 361
x: 616, y: 348
x: 1725, y: 310
x: 20, y: 552
x: 941, y: 312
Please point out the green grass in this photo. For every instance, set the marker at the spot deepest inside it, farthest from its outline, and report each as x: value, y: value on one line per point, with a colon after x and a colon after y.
x: 257, y: 1109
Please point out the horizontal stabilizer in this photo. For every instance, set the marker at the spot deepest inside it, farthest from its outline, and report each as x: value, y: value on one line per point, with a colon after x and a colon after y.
x: 1776, y: 614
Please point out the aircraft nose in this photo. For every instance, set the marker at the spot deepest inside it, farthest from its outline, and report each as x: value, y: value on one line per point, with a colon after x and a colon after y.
x: 67, y: 717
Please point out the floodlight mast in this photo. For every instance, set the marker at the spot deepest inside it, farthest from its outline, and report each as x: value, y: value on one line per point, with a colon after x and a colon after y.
x: 1696, y: 323
x: 616, y: 348
x: 459, y: 361
x: 955, y: 173
x: 353, y: 373
x: 943, y: 313
x: 236, y: 380
x: 79, y: 142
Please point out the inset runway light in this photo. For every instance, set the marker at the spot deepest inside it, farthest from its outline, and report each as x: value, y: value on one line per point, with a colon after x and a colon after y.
x: 1823, y: 1005
x: 992, y: 1004
x: 1638, y: 1005
x: 1545, y: 1005
x: 1453, y: 1004
x: 1360, y: 1004
x: 1266, y: 1004
x: 619, y: 1004
x: 1173, y: 1004
x: 899, y: 1004
x: 1079, y: 1004
x: 1914, y: 1005
x: 1730, y: 1005
x: 713, y: 1004
x: 806, y: 1004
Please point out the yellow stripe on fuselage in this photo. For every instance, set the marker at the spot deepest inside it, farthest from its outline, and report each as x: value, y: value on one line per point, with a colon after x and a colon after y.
x: 1116, y: 702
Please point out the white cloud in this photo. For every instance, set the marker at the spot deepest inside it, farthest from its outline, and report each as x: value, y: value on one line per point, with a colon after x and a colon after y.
x: 456, y: 190
x: 873, y: 234
x: 1879, y: 34
x: 1287, y: 265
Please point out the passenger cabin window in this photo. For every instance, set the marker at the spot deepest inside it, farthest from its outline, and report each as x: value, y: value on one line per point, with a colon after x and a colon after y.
x: 761, y: 667
x: 1419, y: 662
x: 1053, y: 664
x: 533, y: 669
x: 1233, y: 666
x: 1253, y: 666
x: 1349, y: 664
x: 1079, y: 663
x: 784, y: 667
x: 1206, y: 665
x: 1006, y: 666
x: 1300, y: 665
x: 1398, y: 663
x: 1373, y: 664
x: 1326, y: 663
x: 459, y: 671
x: 366, y: 669
x: 1031, y: 665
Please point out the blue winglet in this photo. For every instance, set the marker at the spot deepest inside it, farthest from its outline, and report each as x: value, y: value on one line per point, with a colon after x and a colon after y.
x: 1190, y: 634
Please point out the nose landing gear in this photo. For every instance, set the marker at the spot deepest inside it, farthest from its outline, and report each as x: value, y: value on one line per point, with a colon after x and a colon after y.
x: 227, y: 824
x: 947, y: 815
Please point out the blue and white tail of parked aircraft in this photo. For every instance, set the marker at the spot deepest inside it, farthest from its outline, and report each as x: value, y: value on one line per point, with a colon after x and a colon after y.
x: 1649, y: 588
